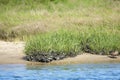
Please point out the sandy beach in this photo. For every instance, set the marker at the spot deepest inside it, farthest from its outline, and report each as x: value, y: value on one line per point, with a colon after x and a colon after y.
x: 13, y: 53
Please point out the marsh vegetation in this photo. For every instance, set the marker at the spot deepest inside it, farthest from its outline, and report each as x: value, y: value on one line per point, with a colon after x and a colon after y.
x: 66, y: 27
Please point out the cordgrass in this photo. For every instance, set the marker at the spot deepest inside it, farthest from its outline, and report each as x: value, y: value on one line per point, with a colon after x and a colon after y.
x: 63, y: 42
x: 93, y: 40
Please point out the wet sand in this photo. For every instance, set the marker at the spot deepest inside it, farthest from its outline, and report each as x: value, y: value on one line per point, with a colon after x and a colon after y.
x: 13, y: 53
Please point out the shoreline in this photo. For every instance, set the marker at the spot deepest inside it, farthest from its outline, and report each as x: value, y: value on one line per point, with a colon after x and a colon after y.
x: 13, y: 53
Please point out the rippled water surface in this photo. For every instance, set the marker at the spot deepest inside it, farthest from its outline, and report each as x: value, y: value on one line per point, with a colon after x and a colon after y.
x: 60, y: 72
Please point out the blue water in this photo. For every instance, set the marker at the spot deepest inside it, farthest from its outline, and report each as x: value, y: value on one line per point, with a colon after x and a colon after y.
x: 60, y: 72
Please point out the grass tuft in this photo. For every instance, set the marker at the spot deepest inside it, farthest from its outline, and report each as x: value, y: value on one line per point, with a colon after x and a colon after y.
x: 63, y: 41
x: 96, y: 41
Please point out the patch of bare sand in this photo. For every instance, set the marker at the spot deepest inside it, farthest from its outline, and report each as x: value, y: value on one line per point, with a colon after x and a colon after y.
x: 12, y: 53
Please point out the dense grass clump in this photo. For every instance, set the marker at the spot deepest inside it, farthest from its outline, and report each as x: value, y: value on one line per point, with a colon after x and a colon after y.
x: 53, y: 46
x: 101, y: 41
x: 71, y: 43
x: 64, y: 42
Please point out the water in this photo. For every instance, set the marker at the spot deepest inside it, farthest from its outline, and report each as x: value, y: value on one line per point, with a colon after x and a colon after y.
x: 60, y: 72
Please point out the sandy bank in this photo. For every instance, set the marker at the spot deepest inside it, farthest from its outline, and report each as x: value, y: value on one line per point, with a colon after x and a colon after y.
x: 12, y: 53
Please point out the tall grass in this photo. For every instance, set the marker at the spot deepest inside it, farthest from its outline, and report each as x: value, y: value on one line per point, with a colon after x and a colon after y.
x: 93, y: 40
x: 101, y: 41
x: 64, y: 42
